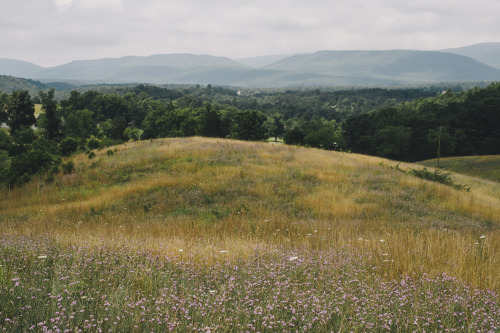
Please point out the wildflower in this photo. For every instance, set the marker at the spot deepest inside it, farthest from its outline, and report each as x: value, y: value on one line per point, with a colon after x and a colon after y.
x: 212, y: 291
x: 181, y: 250
x: 360, y: 238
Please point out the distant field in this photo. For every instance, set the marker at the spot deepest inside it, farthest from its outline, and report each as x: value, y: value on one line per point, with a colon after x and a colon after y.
x: 38, y: 110
x: 486, y: 167
x: 203, y: 235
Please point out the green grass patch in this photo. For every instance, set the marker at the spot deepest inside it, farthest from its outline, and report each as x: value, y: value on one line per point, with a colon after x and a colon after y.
x: 486, y: 167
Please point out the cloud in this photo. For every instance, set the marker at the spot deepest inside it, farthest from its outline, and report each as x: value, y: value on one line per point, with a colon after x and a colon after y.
x: 63, y: 3
x: 89, y: 29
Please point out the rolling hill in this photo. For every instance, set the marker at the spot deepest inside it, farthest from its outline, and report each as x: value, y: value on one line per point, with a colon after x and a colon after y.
x: 220, y: 235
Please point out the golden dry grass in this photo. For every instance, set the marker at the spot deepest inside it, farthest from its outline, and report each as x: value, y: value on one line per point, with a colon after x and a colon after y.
x: 210, y: 195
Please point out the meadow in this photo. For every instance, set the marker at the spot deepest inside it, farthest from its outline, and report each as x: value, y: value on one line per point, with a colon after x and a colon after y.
x: 487, y: 167
x: 201, y: 234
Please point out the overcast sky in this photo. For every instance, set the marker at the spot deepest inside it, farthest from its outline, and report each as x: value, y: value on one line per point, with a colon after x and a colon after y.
x: 54, y: 32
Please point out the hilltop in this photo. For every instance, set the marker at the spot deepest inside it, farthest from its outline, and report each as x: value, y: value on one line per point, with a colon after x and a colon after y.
x: 202, y: 194
x: 200, y: 234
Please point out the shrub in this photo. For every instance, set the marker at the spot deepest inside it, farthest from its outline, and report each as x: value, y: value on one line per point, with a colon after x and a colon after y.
x: 68, y: 146
x: 93, y: 143
x: 68, y: 168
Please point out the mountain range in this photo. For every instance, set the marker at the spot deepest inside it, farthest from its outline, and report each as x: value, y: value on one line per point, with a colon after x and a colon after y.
x: 479, y: 62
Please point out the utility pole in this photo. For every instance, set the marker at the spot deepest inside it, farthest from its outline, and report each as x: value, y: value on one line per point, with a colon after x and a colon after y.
x: 439, y: 144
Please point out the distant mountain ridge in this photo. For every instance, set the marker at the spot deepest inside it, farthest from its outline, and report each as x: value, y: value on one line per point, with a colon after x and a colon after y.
x: 323, y: 68
x: 487, y: 53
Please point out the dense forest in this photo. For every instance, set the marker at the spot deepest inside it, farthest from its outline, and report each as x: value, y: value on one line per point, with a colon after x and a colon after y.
x: 401, y: 124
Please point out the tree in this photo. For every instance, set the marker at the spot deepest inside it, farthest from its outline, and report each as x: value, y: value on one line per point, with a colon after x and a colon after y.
x: 275, y: 127
x: 50, y: 120
x: 3, y: 101
x: 68, y: 146
x: 80, y: 124
x: 211, y: 126
x: 294, y: 137
x: 20, y: 111
x: 249, y: 125
x: 393, y: 142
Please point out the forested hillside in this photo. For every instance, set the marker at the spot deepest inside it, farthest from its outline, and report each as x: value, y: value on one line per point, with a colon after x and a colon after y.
x: 403, y: 124
x: 458, y: 124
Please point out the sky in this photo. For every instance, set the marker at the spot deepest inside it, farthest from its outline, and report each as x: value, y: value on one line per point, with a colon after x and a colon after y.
x: 55, y: 32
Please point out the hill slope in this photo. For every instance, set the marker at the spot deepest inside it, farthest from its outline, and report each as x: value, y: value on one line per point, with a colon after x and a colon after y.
x: 203, y: 195
x: 487, y: 53
x: 486, y: 167
x: 12, y: 67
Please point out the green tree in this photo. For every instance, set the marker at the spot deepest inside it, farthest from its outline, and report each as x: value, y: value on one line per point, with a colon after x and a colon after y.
x: 133, y: 134
x: 295, y: 136
x: 211, y: 125
x: 393, y: 142
x: 68, y: 146
x: 249, y: 125
x: 275, y: 127
x: 80, y: 124
x: 20, y: 111
x: 3, y: 101
x: 50, y: 120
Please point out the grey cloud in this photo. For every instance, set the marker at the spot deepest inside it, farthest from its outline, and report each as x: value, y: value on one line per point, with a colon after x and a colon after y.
x: 97, y: 28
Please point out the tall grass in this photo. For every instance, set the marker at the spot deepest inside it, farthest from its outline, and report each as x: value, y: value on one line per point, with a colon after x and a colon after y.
x: 204, y: 196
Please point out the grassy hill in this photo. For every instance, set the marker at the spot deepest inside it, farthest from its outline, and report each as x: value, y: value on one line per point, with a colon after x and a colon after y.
x: 487, y: 167
x: 164, y: 224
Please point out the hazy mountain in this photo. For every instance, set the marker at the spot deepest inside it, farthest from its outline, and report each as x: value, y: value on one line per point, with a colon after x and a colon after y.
x: 156, y: 68
x: 323, y: 68
x: 18, y: 68
x: 401, y: 66
x: 488, y: 53
x: 262, y: 61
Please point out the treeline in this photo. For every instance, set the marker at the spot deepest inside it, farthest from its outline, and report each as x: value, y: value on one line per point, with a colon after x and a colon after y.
x: 464, y: 123
x: 456, y: 124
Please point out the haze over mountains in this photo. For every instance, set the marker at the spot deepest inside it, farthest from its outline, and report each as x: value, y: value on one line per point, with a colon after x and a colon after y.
x: 324, y: 68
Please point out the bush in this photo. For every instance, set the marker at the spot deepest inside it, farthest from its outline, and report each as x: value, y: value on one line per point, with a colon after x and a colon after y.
x: 68, y: 146
x: 93, y: 143
x: 438, y: 176
x: 68, y: 168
